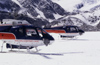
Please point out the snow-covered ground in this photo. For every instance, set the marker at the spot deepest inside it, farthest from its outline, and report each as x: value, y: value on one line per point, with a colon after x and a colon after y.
x: 85, y: 50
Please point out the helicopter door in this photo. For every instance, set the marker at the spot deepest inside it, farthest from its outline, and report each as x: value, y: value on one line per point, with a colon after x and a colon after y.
x: 18, y: 31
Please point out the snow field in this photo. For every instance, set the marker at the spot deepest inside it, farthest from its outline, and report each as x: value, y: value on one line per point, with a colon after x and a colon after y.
x: 85, y: 50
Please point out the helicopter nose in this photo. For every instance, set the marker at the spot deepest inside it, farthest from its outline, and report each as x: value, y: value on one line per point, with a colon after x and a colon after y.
x: 46, y: 41
x: 81, y: 32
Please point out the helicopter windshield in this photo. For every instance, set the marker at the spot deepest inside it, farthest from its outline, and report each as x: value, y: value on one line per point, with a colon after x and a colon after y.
x: 42, y: 31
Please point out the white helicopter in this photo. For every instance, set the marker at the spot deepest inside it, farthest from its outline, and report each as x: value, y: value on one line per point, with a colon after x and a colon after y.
x: 66, y: 31
x: 21, y: 36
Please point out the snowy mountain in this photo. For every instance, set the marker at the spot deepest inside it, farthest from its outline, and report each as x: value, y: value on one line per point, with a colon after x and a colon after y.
x: 38, y: 10
x: 33, y: 8
x: 53, y: 12
x: 41, y: 8
x: 84, y: 13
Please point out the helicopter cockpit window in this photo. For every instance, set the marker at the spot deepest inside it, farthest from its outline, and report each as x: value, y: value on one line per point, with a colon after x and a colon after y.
x: 31, y: 32
x: 73, y: 29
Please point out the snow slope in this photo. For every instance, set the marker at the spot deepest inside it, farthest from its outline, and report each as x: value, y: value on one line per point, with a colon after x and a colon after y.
x: 85, y: 50
x: 88, y: 7
x: 68, y: 5
x: 17, y: 3
x: 91, y: 17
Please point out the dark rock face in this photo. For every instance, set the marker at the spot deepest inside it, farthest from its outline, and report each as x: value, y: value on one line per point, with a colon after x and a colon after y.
x: 8, y: 5
x: 46, y: 6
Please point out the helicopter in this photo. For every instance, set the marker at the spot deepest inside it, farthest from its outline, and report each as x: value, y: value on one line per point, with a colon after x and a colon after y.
x: 22, y: 36
x: 69, y: 31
